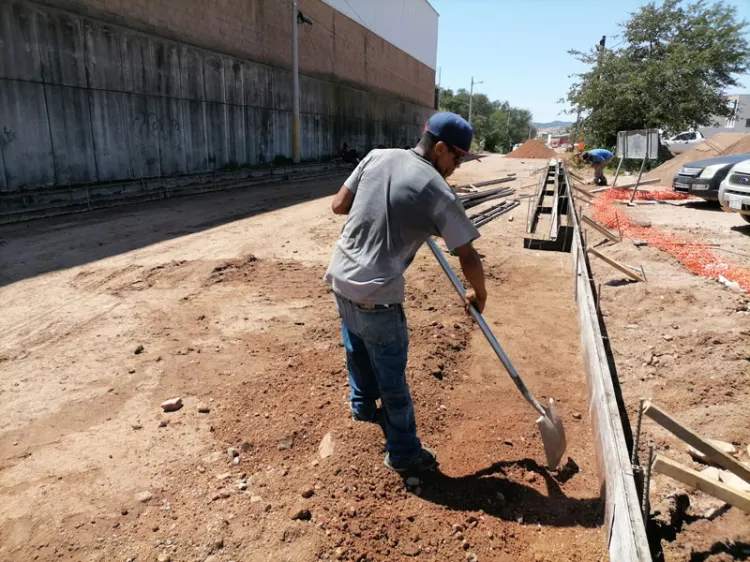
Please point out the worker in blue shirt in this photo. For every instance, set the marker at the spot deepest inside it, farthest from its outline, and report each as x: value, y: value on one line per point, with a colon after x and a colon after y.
x: 598, y: 158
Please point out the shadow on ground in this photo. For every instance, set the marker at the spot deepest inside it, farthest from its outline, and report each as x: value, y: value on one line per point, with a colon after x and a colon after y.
x: 491, y: 491
x: 742, y: 229
x: 702, y: 205
x: 41, y: 246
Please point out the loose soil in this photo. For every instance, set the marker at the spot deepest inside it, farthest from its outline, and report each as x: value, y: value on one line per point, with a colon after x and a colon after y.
x: 224, y: 294
x: 683, y: 341
x: 532, y: 149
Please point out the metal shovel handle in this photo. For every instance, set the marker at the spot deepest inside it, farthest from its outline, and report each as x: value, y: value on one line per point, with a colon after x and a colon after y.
x: 494, y: 344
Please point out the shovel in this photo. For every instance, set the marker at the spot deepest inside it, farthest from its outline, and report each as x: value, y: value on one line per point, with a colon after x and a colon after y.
x: 549, y: 423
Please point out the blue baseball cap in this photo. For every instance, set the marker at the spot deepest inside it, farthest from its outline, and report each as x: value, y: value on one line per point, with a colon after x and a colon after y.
x: 453, y: 130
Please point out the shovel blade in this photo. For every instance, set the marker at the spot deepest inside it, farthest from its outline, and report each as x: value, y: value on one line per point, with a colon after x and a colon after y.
x: 553, y: 435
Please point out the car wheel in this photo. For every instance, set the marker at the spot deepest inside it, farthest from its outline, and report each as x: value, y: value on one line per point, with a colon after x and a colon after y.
x: 746, y: 218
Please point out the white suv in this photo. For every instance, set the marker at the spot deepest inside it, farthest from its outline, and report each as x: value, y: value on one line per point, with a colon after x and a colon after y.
x: 734, y: 192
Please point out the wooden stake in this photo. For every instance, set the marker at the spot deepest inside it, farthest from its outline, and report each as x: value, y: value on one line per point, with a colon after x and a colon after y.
x: 582, y: 191
x: 617, y: 265
x: 600, y: 228
x: 690, y: 477
x: 696, y: 441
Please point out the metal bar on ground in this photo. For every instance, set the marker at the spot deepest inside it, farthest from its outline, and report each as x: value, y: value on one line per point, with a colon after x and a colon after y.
x: 486, y: 183
x: 477, y: 202
x: 480, y: 194
x: 488, y: 211
x: 499, y: 212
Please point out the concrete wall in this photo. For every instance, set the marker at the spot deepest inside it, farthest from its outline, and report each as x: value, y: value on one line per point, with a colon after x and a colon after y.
x: 84, y: 101
x: 335, y: 48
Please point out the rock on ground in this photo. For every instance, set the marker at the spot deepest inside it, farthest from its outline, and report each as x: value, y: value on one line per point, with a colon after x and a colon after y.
x: 325, y: 449
x: 171, y: 405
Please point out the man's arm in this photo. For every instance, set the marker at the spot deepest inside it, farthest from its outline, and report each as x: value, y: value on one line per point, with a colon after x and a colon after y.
x: 471, y: 265
x: 342, y: 201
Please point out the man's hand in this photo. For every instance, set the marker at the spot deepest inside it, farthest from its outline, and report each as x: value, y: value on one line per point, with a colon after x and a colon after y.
x: 471, y: 265
x: 472, y: 300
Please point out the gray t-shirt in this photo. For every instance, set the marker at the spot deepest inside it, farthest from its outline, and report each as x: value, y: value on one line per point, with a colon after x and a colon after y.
x: 399, y: 201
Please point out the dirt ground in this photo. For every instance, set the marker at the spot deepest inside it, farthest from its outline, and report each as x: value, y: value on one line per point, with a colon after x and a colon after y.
x: 218, y: 299
x: 684, y: 342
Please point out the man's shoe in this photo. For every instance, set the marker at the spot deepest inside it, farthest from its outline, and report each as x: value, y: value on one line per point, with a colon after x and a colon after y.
x: 425, y: 461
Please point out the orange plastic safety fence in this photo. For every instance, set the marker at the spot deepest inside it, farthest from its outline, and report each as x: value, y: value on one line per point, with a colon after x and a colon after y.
x: 695, y: 256
x: 647, y: 195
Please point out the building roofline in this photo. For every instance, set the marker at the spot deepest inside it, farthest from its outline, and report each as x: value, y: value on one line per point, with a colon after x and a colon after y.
x: 433, y: 7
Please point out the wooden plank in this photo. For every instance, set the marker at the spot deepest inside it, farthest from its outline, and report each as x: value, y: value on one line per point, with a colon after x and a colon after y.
x: 581, y: 190
x: 617, y: 265
x: 690, y: 477
x: 601, y: 229
x: 696, y: 441
x: 627, y: 185
x: 576, y: 176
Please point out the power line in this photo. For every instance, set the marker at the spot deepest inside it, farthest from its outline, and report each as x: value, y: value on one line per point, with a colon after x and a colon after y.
x: 355, y: 12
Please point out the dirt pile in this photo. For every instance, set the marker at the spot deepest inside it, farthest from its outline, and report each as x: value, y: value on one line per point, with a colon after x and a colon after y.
x: 717, y: 145
x: 532, y: 149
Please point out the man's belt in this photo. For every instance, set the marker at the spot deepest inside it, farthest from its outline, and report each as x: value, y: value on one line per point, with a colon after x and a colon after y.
x: 374, y: 306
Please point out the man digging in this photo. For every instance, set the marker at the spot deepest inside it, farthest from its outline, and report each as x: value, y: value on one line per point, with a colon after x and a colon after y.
x: 395, y: 200
x: 598, y: 158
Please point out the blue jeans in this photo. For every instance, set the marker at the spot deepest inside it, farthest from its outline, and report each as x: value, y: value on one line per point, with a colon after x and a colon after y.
x: 377, y: 343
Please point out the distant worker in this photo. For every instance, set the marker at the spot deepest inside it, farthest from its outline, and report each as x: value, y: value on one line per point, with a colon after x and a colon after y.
x: 395, y: 200
x: 598, y: 158
x: 348, y: 155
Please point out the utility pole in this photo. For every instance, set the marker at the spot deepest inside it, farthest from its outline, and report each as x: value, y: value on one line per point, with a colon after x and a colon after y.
x: 295, y: 85
x: 471, y: 96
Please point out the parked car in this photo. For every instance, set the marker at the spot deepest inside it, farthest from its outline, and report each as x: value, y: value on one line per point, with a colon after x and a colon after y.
x: 683, y: 142
x: 734, y: 193
x: 703, y: 177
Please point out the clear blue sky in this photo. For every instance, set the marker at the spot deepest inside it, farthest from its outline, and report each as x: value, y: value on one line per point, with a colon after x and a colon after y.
x: 519, y: 47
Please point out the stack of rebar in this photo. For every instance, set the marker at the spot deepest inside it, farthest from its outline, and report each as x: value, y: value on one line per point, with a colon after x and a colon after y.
x: 474, y: 199
x: 493, y: 212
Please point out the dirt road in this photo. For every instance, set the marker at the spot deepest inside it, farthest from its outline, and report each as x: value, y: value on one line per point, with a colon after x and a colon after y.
x: 217, y: 299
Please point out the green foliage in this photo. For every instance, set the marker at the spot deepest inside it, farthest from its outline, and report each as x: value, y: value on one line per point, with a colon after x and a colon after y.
x: 671, y: 72
x: 497, y: 125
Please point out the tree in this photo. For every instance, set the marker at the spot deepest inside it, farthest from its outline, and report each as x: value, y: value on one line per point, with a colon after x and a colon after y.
x: 671, y: 72
x: 497, y: 125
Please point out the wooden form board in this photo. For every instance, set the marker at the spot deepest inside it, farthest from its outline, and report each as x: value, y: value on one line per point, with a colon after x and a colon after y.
x: 617, y: 265
x: 623, y: 523
x: 696, y: 480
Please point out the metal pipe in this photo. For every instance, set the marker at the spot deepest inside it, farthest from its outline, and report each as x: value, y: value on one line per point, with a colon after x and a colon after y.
x: 647, y: 484
x: 637, y: 438
x: 295, y: 86
x: 456, y: 282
